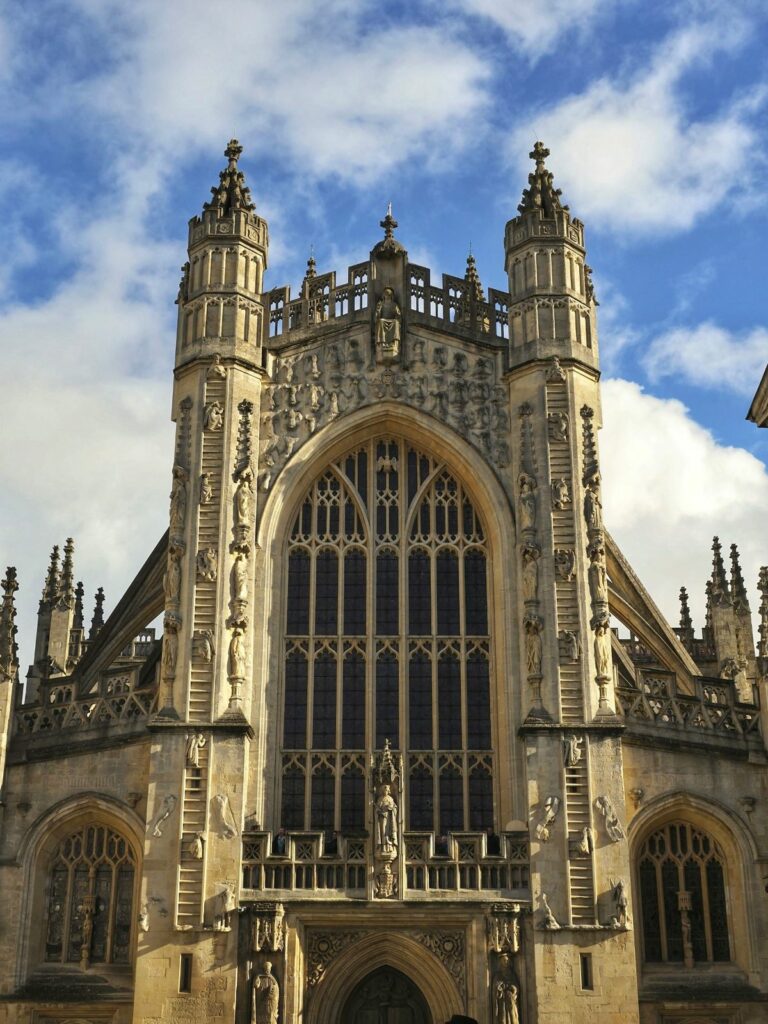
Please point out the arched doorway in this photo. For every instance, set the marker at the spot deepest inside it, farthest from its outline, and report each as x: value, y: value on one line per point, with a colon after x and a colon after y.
x: 386, y: 996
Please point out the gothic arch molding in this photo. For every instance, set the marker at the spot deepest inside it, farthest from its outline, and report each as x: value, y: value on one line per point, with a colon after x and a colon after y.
x: 386, y: 949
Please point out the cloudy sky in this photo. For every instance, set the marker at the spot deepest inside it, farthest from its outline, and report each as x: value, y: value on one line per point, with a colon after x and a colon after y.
x: 114, y: 119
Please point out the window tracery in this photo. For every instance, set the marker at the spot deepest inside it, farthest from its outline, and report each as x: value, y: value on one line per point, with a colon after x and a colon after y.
x: 387, y: 637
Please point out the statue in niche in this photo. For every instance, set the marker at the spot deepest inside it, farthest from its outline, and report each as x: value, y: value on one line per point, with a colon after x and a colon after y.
x: 244, y: 497
x: 593, y: 509
x: 236, y: 661
x: 533, y: 646
x: 170, y: 645
x: 530, y: 572
x: 207, y: 563
x: 527, y: 487
x: 172, y: 578
x: 598, y: 582
x: 573, y: 750
x: 239, y: 579
x: 195, y: 846
x: 178, y: 512
x: 206, y: 489
x: 544, y: 828
x: 195, y: 742
x: 558, y: 426
x: 505, y: 1002
x: 386, y: 821
x: 213, y: 416
x: 603, y: 650
x: 387, y: 327
x: 265, y: 1000
x: 560, y: 493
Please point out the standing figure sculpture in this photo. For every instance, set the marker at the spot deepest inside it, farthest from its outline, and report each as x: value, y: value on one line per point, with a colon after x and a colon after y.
x: 266, y: 997
x: 505, y: 1002
x: 386, y: 821
x: 387, y: 327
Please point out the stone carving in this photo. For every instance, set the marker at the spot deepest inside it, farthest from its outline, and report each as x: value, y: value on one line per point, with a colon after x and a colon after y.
x: 144, y: 918
x: 565, y: 562
x: 195, y: 742
x: 685, y: 905
x: 603, y: 651
x: 166, y: 810
x: 504, y: 929
x: 183, y: 433
x: 216, y: 370
x: 533, y: 646
x: 225, y: 904
x: 386, y: 883
x: 203, y: 648
x: 569, y: 644
x: 8, y: 648
x: 583, y: 846
x: 243, y: 509
x: 598, y: 581
x: 561, y: 496
x: 573, y: 750
x: 555, y: 372
x: 323, y: 948
x: 637, y: 795
x: 171, y: 627
x: 267, y: 931
x: 238, y: 579
x: 544, y: 827
x: 386, y: 823
x: 593, y: 508
x: 207, y: 563
x: 620, y: 902
x: 206, y: 489
x: 505, y: 1002
x: 178, y: 510
x: 527, y: 487
x: 549, y: 922
x: 244, y: 428
x: 530, y: 555
x: 449, y: 948
x: 558, y: 426
x: 172, y: 578
x: 387, y: 320
x: 265, y: 999
x: 195, y: 846
x: 612, y: 824
x: 213, y: 416
x: 222, y: 818
x: 236, y: 661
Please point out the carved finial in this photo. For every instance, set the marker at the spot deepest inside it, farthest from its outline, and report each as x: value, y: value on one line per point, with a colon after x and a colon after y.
x: 541, y: 193
x: 762, y: 629
x: 686, y: 623
x: 389, y: 223
x: 231, y: 194
x: 98, y: 614
x: 707, y: 631
x: 738, y: 590
x: 77, y: 620
x: 474, y: 289
x: 720, y: 593
x: 67, y: 585
x: 9, y: 654
x: 311, y: 265
x: 51, y: 586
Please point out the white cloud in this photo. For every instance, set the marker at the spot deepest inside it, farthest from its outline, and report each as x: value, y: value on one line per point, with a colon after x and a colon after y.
x: 630, y: 155
x: 669, y: 487
x: 709, y: 356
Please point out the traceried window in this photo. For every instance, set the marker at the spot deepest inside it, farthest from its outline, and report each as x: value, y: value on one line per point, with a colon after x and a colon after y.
x: 682, y: 875
x: 387, y: 638
x: 90, y: 898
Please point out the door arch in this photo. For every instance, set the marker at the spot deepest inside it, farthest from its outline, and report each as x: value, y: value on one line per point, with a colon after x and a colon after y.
x: 386, y: 996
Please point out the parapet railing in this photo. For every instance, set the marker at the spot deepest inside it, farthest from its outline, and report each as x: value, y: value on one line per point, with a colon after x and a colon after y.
x: 60, y: 713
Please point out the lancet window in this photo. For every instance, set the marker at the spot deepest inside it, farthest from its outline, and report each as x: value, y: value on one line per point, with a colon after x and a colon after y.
x: 387, y: 638
x: 90, y: 898
x: 683, y: 887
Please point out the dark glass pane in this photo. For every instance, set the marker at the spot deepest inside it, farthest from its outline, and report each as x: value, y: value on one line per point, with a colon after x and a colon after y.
x: 102, y: 894
x: 321, y: 816
x: 478, y: 703
x: 718, y: 918
x: 324, y: 702
x: 449, y: 703
x: 413, y: 475
x: 421, y: 802
x: 298, y: 593
x: 451, y: 803
x: 387, y: 593
x: 295, y: 719
x: 352, y: 802
x: 326, y: 592
x: 476, y: 593
x: 355, y: 594
x: 649, y: 898
x: 480, y: 801
x: 447, y: 593
x: 692, y: 875
x: 469, y: 520
x: 420, y: 702
x: 292, y: 812
x: 353, y: 708
x: 121, y: 943
x: 54, y: 940
x: 387, y: 702
x: 671, y: 883
x: 76, y: 917
x: 419, y: 594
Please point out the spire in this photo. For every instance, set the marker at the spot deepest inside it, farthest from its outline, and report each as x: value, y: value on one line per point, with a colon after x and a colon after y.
x: 738, y: 590
x: 51, y: 585
x: 686, y: 624
x: 720, y: 593
x: 762, y: 629
x: 232, y: 194
x: 9, y: 652
x: 77, y: 622
x: 98, y: 614
x: 541, y: 193
x: 474, y: 289
x: 66, y: 586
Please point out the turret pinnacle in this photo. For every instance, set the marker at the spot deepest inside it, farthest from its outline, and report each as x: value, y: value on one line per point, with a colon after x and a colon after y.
x: 77, y: 621
x: 51, y: 585
x: 389, y: 245
x: 762, y: 586
x: 738, y: 590
x: 474, y: 289
x: 541, y: 193
x: 98, y: 614
x: 720, y: 593
x: 67, y: 585
x: 232, y: 193
x: 686, y: 623
x: 8, y: 648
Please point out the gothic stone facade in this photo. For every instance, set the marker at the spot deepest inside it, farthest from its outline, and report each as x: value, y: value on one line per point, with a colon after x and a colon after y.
x: 390, y: 760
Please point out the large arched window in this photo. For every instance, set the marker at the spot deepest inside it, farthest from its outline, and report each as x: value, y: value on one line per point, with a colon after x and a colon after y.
x: 387, y: 638
x: 90, y: 896
x: 682, y: 876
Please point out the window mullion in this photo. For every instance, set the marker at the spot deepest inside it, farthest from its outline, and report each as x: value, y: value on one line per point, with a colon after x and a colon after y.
x: 661, y: 910
x: 705, y: 911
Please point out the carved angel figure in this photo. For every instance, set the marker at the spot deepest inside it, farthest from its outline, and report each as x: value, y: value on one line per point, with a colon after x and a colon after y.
x: 213, y: 416
x: 558, y: 426
x: 195, y: 741
x: 612, y: 824
x: 265, y: 997
x: 166, y: 810
x: 207, y: 559
x: 572, y: 750
x: 560, y: 493
x: 206, y: 489
x: 195, y: 846
x: 550, y: 921
x: 565, y: 561
x: 551, y: 807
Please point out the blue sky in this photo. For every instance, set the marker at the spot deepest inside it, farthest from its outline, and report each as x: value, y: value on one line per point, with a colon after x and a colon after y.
x: 113, y: 122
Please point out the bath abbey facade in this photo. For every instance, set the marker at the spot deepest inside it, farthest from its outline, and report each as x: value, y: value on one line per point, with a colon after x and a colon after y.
x: 415, y: 744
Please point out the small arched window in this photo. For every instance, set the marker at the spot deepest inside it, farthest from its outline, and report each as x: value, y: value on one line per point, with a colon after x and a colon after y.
x: 90, y: 914
x: 682, y: 876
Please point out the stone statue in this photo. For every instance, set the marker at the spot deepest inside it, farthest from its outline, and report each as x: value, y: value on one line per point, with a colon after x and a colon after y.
x: 543, y: 829
x: 213, y: 416
x: 585, y: 845
x: 225, y: 905
x: 593, y: 509
x: 598, y: 583
x: 565, y: 561
x: 216, y: 369
x: 170, y: 646
x: 505, y: 1002
x: 239, y: 579
x: 555, y: 372
x: 573, y: 750
x: 144, y: 918
x: 244, y: 498
x: 207, y: 563
x: 387, y: 326
x: 223, y: 818
x: 386, y: 883
x: 570, y: 642
x: 178, y: 512
x: 558, y: 426
x: 166, y: 810
x: 621, y: 902
x: 550, y: 921
x: 386, y: 821
x: 195, y: 741
x: 195, y: 846
x: 602, y: 647
x: 202, y: 645
x: 533, y: 646
x: 237, y: 654
x: 530, y: 572
x: 527, y: 487
x: 172, y: 579
x: 206, y: 489
x: 612, y: 824
x: 560, y: 493
x: 266, y: 997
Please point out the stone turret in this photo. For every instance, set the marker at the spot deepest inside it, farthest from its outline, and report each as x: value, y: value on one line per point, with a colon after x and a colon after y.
x: 9, y: 664
x: 63, y: 613
x: 97, y: 621
x: 685, y: 631
x: 552, y: 303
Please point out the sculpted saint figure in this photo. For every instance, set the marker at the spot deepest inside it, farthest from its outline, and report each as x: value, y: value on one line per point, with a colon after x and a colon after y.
x: 239, y: 579
x: 505, y: 1002
x: 266, y: 997
x: 388, y: 325
x: 206, y: 489
x: 386, y: 820
x: 593, y: 509
x: 195, y: 741
x: 213, y: 416
x: 178, y: 511
x: 237, y: 655
x: 243, y: 498
x: 173, y: 576
x: 527, y: 502
x: 532, y: 648
x: 530, y: 572
x: 598, y: 584
x: 603, y: 650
